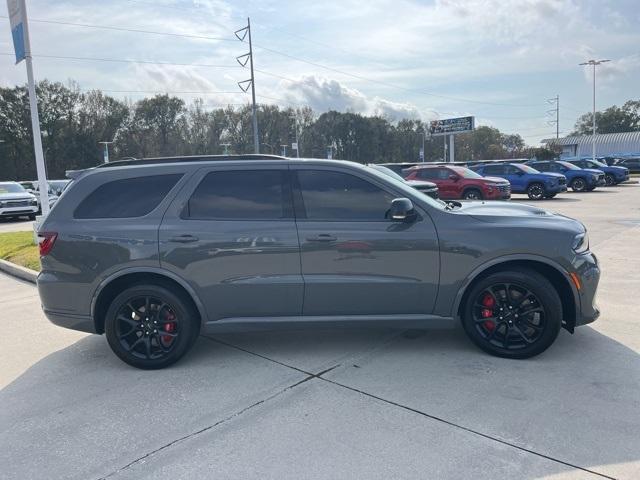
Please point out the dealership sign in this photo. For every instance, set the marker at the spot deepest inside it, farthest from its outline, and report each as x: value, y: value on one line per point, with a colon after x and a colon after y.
x: 451, y: 126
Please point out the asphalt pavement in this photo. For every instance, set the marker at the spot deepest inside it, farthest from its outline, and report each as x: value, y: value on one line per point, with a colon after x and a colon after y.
x: 348, y: 403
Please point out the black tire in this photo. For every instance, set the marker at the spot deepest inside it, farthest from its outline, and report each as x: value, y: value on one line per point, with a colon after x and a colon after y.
x: 609, y: 179
x: 529, y: 335
x: 154, y: 345
x: 578, y: 184
x: 472, y: 194
x: 535, y: 191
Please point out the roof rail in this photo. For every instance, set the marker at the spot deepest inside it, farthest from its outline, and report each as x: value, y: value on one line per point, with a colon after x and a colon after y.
x: 130, y: 161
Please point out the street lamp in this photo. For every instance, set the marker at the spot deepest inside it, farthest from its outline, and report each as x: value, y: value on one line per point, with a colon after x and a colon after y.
x: 594, y: 63
x: 106, y: 150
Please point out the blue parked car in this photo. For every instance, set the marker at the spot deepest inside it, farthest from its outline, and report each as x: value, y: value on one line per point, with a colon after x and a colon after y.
x: 524, y: 179
x: 612, y: 174
x: 579, y: 179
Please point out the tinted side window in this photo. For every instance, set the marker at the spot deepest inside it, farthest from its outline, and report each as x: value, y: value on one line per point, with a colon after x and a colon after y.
x: 494, y: 170
x: 541, y: 167
x: 428, y: 173
x: 239, y: 194
x: 340, y: 196
x: 127, y: 198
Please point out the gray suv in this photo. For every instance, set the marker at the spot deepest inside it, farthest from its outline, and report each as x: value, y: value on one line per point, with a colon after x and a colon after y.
x: 152, y: 252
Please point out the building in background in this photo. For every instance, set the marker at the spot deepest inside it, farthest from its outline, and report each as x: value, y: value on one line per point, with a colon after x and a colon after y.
x: 607, y: 145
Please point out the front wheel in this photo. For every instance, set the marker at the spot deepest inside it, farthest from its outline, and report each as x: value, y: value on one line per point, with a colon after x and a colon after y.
x: 513, y: 314
x: 472, y: 194
x: 609, y: 179
x: 150, y: 327
x: 578, y: 185
x: 535, y: 191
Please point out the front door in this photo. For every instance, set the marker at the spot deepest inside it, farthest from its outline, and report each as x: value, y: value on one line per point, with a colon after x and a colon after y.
x: 231, y: 234
x: 355, y: 261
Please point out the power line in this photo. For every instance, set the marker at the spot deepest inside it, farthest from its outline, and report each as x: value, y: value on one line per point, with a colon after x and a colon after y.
x: 122, y: 60
x: 122, y: 29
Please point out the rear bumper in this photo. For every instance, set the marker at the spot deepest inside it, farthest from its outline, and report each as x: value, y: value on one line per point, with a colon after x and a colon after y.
x: 83, y: 323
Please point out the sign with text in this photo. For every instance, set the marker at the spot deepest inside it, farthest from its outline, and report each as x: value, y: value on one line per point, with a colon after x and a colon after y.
x: 451, y: 126
x: 16, y: 20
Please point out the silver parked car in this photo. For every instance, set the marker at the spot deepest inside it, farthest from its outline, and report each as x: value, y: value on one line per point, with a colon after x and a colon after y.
x: 15, y: 201
x: 152, y: 252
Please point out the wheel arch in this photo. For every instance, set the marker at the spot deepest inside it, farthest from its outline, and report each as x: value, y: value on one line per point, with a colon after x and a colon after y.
x: 109, y: 288
x: 553, y: 272
x: 472, y: 187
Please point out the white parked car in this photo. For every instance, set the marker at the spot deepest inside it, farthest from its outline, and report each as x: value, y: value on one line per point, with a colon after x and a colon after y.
x: 15, y: 201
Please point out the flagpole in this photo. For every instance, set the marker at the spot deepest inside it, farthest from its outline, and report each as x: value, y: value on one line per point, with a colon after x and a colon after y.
x: 33, y: 104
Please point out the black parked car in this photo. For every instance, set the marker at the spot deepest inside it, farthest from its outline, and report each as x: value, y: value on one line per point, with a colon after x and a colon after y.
x: 633, y: 164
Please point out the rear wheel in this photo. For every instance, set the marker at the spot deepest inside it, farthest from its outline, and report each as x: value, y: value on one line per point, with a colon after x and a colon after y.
x: 609, y: 179
x: 513, y: 314
x: 535, y: 191
x: 472, y: 194
x: 578, y: 185
x: 150, y: 327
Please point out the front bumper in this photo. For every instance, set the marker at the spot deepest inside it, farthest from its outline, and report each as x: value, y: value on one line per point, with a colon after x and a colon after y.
x: 588, y: 271
x: 16, y: 211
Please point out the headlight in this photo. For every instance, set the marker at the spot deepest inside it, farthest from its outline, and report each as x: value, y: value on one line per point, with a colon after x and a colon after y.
x: 581, y: 243
x: 34, y: 202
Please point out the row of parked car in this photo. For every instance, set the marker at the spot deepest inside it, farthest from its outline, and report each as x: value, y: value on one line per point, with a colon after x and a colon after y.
x: 496, y: 180
x: 22, y: 199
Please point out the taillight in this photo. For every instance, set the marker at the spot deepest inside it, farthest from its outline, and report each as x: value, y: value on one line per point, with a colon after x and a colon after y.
x: 46, y: 241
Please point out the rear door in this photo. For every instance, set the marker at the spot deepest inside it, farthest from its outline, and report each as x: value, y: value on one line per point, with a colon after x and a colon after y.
x: 354, y: 260
x: 231, y: 234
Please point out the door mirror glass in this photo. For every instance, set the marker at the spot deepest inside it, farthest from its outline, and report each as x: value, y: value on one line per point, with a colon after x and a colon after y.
x: 401, y: 210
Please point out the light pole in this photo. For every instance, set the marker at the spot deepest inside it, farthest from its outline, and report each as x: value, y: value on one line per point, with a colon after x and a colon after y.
x: 106, y: 151
x: 594, y: 63
x: 295, y: 126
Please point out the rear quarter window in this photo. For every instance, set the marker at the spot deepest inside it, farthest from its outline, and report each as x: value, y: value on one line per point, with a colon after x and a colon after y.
x: 126, y: 198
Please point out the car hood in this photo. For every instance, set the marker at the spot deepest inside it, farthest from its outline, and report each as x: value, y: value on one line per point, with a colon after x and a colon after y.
x: 421, y: 184
x: 500, y: 180
x: 16, y: 196
x: 593, y: 170
x: 493, y: 212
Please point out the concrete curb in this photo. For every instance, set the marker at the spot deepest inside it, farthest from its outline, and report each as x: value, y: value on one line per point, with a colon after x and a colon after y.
x: 18, y: 271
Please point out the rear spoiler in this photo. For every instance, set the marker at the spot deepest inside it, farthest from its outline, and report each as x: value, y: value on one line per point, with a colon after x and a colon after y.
x: 75, y: 174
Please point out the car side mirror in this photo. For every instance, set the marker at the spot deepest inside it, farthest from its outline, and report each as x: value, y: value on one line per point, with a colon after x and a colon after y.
x: 402, y: 210
x: 455, y: 178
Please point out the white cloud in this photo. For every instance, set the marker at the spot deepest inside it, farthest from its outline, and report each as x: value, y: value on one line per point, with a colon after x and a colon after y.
x: 323, y: 94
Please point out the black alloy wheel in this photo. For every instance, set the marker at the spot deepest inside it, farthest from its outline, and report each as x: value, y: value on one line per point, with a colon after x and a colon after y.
x: 609, y: 179
x: 472, y: 194
x: 578, y: 185
x: 535, y: 191
x: 513, y: 314
x: 150, y: 327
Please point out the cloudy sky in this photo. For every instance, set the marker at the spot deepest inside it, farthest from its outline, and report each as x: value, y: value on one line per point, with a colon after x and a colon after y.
x: 500, y: 60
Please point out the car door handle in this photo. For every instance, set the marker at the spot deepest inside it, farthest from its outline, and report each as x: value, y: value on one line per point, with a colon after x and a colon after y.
x: 322, y: 237
x: 183, y: 239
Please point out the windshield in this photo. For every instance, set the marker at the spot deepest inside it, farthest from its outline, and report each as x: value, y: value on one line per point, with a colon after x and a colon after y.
x: 527, y: 168
x: 387, y: 171
x: 599, y: 163
x: 11, y: 188
x: 568, y: 165
x: 466, y: 172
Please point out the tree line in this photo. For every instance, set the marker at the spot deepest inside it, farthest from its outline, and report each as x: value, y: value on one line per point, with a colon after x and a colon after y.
x: 72, y: 123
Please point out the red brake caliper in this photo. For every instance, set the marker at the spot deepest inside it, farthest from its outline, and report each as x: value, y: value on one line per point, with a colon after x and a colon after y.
x: 489, y: 302
x: 169, y: 326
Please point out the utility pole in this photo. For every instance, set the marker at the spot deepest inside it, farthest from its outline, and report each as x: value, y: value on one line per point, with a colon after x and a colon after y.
x: 594, y: 63
x: 245, y: 84
x: 556, y: 112
x: 106, y: 151
x: 295, y: 126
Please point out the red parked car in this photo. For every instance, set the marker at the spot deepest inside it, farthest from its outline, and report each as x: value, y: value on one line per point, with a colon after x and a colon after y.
x: 459, y: 182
